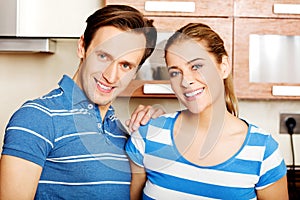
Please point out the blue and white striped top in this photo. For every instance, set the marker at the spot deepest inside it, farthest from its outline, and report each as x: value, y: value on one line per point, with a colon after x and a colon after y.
x: 82, y: 157
x: 256, y: 165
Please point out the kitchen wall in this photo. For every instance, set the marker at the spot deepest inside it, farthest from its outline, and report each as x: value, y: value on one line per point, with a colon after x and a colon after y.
x: 29, y: 75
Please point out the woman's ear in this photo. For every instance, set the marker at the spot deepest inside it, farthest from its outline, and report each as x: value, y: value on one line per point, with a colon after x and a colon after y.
x: 225, y: 67
x: 80, y: 48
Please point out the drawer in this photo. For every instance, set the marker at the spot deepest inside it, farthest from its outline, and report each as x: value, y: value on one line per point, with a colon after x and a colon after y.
x: 267, y: 8
x: 217, y: 8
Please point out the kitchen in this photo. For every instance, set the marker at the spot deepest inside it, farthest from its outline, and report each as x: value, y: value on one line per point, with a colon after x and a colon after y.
x: 27, y: 75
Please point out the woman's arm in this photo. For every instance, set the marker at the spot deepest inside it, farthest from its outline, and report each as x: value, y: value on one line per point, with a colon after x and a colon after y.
x: 277, y: 190
x: 18, y: 178
x: 138, y: 179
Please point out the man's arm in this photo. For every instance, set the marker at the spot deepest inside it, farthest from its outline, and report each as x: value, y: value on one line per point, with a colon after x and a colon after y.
x: 138, y: 179
x: 277, y: 190
x: 18, y: 178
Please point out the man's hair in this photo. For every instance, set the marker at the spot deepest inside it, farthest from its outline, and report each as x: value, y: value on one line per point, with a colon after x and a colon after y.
x: 124, y: 18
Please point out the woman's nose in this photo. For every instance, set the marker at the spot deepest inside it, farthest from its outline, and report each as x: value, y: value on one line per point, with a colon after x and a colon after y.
x: 187, y: 81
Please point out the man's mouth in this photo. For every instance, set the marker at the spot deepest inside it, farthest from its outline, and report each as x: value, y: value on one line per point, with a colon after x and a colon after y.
x: 193, y: 93
x: 103, y: 87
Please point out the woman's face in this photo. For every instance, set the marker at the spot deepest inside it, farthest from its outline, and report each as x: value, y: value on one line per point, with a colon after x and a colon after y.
x: 196, y: 78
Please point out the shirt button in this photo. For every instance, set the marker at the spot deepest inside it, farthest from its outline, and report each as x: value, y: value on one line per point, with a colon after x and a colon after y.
x: 99, y: 125
x: 90, y: 106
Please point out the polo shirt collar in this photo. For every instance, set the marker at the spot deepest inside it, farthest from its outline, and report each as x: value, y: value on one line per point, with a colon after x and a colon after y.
x: 72, y: 91
x: 76, y: 95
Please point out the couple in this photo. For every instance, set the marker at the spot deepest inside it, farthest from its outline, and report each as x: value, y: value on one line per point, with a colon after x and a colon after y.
x: 68, y: 144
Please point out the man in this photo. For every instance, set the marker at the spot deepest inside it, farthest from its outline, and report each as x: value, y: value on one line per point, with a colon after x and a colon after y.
x: 68, y: 144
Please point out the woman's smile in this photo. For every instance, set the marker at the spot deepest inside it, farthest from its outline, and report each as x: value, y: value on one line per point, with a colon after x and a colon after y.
x: 192, y: 94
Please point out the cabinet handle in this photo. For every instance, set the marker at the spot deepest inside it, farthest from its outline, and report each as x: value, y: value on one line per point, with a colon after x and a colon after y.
x: 281, y: 90
x: 167, y: 6
x: 286, y: 8
x: 150, y: 88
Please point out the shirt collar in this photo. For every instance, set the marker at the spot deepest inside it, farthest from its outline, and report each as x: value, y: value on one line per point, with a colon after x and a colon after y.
x: 76, y: 95
x: 72, y: 91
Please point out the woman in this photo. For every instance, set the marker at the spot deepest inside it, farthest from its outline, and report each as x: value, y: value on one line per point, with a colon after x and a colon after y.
x: 205, y: 151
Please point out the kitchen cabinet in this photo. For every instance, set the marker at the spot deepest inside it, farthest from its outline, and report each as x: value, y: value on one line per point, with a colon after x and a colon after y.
x: 243, y: 29
x: 262, y: 19
x: 222, y: 26
x: 217, y: 14
x: 43, y: 19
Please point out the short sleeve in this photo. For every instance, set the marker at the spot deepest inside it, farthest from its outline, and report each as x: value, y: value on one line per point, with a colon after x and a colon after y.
x: 135, y: 148
x: 28, y: 134
x: 273, y: 166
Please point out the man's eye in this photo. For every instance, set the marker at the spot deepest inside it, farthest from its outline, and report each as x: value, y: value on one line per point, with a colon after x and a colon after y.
x: 102, y: 56
x: 126, y: 66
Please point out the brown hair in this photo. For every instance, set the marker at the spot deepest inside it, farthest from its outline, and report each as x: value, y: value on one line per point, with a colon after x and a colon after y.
x: 214, y: 45
x: 124, y: 18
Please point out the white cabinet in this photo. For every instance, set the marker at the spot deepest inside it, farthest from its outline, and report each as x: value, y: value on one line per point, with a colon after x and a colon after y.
x: 45, y: 18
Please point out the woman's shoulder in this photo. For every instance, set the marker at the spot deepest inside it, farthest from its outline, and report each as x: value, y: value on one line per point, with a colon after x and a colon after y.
x: 260, y: 137
x: 163, y: 122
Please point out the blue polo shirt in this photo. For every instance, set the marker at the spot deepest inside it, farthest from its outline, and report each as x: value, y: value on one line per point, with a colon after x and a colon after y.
x: 82, y: 157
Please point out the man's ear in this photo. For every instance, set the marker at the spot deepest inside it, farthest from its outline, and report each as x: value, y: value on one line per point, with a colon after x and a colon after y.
x: 80, y: 47
x: 225, y: 67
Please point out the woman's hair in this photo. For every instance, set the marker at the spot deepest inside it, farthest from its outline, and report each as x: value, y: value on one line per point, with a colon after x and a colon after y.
x: 124, y: 18
x: 215, y: 46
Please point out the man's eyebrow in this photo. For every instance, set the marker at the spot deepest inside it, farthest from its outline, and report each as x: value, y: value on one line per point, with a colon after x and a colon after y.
x: 129, y: 63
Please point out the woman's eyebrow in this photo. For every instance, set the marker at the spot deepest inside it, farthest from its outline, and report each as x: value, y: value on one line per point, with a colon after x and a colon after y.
x: 194, y: 60
x: 188, y: 62
x: 172, y: 67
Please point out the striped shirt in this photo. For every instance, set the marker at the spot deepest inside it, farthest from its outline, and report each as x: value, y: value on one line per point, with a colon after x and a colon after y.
x: 256, y: 165
x: 82, y: 157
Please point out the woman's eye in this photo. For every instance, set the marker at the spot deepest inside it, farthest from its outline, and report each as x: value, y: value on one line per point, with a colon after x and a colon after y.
x: 197, y: 66
x: 174, y: 73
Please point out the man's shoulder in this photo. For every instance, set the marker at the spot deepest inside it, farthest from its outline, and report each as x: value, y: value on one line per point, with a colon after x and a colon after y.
x: 44, y: 104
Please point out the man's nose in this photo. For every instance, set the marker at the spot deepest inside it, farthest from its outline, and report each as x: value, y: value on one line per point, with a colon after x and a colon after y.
x: 111, y: 74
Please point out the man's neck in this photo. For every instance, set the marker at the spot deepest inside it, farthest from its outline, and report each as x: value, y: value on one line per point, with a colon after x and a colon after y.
x: 103, y: 110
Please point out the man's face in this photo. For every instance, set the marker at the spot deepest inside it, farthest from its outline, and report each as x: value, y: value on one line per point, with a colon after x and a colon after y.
x: 110, y: 63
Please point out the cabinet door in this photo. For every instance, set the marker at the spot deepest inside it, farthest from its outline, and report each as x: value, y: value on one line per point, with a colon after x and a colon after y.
x: 267, y: 8
x: 223, y: 26
x: 217, y: 8
x: 246, y: 27
x: 167, y: 26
